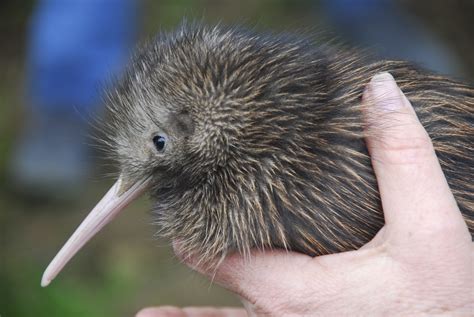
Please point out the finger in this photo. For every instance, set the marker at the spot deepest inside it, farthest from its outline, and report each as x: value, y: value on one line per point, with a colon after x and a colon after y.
x: 415, y: 196
x: 214, y: 312
x: 277, y: 278
x: 163, y: 311
x: 169, y: 311
x: 253, y: 277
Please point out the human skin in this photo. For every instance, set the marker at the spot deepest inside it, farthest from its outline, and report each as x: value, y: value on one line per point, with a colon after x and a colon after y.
x: 420, y: 263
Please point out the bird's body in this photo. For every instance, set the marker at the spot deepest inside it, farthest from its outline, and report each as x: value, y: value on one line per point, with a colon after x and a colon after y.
x: 257, y: 141
x: 266, y: 141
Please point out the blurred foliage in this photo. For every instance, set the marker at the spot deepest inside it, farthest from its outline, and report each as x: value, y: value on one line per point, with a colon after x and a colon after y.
x: 124, y: 269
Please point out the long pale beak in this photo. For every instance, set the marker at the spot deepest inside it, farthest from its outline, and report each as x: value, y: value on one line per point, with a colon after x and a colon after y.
x: 116, y: 199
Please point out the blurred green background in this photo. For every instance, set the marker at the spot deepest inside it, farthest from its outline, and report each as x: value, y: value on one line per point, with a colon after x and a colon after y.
x: 124, y: 268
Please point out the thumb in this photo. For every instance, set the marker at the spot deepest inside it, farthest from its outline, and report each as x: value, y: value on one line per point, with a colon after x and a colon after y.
x: 415, y: 194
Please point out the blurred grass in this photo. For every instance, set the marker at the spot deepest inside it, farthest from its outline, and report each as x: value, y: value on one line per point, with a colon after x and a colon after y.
x: 123, y: 269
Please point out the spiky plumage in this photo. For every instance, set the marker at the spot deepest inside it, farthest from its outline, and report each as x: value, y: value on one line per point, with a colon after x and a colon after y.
x: 266, y: 142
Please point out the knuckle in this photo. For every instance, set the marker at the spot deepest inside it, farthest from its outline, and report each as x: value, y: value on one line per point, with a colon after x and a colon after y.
x: 405, y: 149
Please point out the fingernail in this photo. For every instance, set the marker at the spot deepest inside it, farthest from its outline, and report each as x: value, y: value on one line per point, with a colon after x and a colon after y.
x: 384, y: 92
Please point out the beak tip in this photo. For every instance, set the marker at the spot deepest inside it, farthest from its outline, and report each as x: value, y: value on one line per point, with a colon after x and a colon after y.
x: 45, y: 281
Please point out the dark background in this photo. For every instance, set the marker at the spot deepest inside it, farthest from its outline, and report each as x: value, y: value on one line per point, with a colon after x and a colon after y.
x: 124, y: 268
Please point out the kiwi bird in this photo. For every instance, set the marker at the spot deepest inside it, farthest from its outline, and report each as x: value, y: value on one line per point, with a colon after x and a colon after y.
x: 247, y: 140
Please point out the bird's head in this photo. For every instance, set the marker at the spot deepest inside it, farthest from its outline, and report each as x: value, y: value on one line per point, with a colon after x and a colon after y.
x: 203, y: 120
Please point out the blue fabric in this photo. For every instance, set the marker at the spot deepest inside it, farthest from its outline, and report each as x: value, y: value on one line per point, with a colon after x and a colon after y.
x: 74, y: 48
x: 385, y: 28
x: 349, y: 11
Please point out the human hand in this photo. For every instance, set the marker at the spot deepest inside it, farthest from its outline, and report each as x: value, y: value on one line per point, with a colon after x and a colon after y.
x: 420, y: 263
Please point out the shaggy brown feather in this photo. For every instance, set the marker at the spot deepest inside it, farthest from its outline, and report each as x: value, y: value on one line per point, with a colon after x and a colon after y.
x: 266, y: 141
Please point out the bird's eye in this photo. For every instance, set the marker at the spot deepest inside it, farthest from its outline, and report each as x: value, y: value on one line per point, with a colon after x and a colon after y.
x: 159, y: 141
